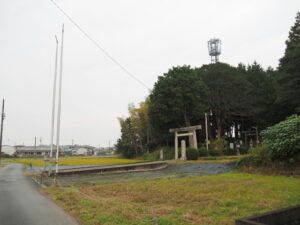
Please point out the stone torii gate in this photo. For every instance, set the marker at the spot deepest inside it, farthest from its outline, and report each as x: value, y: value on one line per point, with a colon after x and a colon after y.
x: 189, y: 131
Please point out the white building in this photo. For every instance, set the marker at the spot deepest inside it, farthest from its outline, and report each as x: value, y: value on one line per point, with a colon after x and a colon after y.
x: 9, y: 150
x: 84, y: 151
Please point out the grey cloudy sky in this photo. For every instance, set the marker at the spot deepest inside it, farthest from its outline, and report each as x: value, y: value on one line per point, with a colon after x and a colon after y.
x: 147, y: 37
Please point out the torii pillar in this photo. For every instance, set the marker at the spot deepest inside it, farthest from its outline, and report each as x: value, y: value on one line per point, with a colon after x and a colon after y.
x: 189, y: 131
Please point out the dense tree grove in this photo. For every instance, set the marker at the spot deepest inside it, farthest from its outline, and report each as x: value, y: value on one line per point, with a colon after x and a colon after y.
x: 238, y: 100
x: 289, y: 68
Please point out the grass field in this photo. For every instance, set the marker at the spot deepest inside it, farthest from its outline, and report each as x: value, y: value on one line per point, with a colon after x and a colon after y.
x: 75, y: 161
x: 209, y: 159
x: 214, y: 199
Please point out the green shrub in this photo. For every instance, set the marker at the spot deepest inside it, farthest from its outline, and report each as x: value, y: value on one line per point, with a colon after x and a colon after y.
x: 262, y: 154
x: 153, y: 156
x: 219, y: 144
x: 244, y: 150
x: 191, y: 154
x: 250, y: 160
x: 169, y: 153
x: 214, y: 152
x: 283, y: 139
x: 230, y: 151
x: 202, y: 152
x: 259, y: 156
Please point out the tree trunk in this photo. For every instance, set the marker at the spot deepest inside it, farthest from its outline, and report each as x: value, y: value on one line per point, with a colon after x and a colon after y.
x: 219, y: 128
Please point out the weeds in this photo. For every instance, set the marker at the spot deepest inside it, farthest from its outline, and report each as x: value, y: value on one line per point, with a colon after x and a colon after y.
x: 217, y: 199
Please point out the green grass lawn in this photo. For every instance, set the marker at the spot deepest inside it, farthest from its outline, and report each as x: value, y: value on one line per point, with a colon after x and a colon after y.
x: 214, y: 199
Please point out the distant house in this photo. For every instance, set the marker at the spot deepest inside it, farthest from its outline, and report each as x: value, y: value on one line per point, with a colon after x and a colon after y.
x: 104, y: 151
x: 9, y: 150
x: 84, y: 151
x: 32, y: 151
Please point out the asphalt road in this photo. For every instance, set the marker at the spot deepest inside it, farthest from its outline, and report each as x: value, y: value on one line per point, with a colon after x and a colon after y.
x: 21, y: 203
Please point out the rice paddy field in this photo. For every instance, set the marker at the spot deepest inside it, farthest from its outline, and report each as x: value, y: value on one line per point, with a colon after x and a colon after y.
x: 71, y: 161
x: 210, y: 199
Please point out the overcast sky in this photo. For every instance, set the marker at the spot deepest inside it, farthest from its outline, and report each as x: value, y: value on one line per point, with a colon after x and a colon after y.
x: 146, y: 37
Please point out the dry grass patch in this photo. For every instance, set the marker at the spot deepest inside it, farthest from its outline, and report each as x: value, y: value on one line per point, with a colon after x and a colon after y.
x: 216, y: 199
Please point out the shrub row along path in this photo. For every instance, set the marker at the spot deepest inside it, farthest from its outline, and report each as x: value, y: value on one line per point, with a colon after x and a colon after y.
x: 22, y: 203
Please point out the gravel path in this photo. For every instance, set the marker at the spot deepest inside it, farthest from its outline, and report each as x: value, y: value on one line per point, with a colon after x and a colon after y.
x: 171, y: 171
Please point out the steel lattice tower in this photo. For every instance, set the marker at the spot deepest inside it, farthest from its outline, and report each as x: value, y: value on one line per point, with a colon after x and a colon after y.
x: 214, y: 49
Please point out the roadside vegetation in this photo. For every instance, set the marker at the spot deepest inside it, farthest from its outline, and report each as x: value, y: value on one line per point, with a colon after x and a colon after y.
x: 280, y: 150
x: 218, y: 199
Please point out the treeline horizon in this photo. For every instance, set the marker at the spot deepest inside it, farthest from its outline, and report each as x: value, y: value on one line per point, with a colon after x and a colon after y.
x: 237, y: 99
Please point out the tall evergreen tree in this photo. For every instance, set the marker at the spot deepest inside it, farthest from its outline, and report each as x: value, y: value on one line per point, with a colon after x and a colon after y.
x: 289, y: 66
x: 262, y: 94
x: 178, y: 99
x: 227, y: 94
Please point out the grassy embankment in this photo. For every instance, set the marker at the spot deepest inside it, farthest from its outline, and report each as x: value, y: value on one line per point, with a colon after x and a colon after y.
x: 70, y: 161
x: 216, y: 199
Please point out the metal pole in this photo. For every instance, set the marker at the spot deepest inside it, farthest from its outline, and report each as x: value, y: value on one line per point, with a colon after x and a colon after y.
x: 1, y: 134
x: 206, y: 131
x: 59, y: 100
x: 53, y: 100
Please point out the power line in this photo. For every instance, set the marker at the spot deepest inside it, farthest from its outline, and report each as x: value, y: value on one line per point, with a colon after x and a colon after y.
x: 98, y: 45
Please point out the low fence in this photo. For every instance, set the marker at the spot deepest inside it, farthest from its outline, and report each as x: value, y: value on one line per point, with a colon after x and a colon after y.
x: 286, y: 216
x: 131, y: 167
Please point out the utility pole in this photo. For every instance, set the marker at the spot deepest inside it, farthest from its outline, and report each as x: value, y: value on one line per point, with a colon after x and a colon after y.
x: 206, y: 131
x: 53, y: 99
x: 59, y: 99
x: 1, y: 134
x: 34, y: 143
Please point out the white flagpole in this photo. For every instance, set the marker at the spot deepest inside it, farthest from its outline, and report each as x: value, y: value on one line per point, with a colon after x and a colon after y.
x: 53, y: 99
x: 59, y: 99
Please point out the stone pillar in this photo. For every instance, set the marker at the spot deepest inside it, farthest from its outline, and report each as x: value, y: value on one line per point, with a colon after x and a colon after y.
x: 176, y: 146
x: 161, y: 155
x: 183, y: 150
x: 191, y: 140
x: 195, y: 139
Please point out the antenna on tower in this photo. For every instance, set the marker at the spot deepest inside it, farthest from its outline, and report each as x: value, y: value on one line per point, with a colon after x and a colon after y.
x: 214, y: 49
